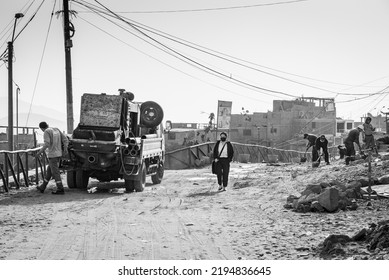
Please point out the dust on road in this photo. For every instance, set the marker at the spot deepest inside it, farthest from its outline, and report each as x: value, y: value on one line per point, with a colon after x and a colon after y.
x: 184, y: 217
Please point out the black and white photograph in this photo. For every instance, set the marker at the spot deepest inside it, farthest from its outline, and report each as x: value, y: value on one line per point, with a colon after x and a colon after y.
x: 162, y: 139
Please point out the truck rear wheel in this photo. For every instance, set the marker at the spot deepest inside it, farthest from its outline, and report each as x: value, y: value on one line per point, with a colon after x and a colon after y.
x: 140, y: 185
x: 157, y: 178
x: 129, y: 185
x: 151, y: 114
x: 82, y: 179
x: 71, y: 179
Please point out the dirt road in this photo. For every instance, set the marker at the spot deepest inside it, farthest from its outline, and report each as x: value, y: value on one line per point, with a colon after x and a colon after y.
x: 184, y: 217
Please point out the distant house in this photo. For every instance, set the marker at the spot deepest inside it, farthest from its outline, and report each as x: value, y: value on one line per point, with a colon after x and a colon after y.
x: 180, y: 135
x: 284, y: 126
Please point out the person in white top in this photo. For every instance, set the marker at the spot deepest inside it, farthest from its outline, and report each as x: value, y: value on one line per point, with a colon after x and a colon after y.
x: 57, y: 144
x: 223, y: 153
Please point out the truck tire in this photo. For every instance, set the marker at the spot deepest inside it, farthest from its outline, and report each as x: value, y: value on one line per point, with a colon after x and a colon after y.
x: 151, y: 114
x: 71, y: 179
x: 82, y: 179
x: 140, y: 185
x: 129, y: 185
x: 157, y: 178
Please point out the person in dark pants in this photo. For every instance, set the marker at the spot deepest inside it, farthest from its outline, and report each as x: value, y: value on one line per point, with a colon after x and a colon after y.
x: 223, y: 153
x: 322, y: 143
x: 342, y: 151
x: 353, y: 137
x: 311, y: 143
x: 368, y: 130
x: 53, y: 141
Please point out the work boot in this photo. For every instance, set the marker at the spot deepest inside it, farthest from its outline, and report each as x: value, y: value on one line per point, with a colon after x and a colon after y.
x: 42, y: 187
x: 60, y: 189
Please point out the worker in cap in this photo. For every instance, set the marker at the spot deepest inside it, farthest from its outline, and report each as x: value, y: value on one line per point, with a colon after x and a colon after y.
x: 312, y: 143
x: 322, y: 143
x: 353, y: 137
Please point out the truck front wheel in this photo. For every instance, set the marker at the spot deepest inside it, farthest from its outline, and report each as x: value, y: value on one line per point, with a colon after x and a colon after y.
x: 82, y: 179
x: 71, y: 179
x: 140, y: 185
x: 157, y: 178
x: 129, y: 185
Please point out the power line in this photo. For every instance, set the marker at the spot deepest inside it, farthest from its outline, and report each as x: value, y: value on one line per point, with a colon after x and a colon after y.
x: 225, y: 56
x: 41, y: 61
x: 110, y: 34
x: 214, y: 9
x: 196, y: 63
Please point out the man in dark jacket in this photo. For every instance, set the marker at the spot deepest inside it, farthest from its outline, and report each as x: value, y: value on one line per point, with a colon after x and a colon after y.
x: 322, y: 143
x: 223, y: 153
x: 353, y: 137
x: 311, y: 143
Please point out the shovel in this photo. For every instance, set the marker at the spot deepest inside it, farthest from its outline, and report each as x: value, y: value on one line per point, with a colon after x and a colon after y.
x: 317, y: 162
x: 304, y: 158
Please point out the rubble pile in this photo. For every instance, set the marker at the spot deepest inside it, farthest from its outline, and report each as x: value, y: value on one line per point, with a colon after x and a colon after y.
x: 327, y: 197
x: 375, y: 239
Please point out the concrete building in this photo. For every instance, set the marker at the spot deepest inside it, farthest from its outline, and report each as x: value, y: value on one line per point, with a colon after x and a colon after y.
x: 284, y: 126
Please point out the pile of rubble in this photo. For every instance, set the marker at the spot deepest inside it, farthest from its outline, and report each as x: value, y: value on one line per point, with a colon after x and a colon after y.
x: 375, y: 239
x: 328, y: 197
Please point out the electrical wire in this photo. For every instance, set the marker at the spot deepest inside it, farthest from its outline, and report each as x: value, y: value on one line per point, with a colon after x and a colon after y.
x: 168, y: 65
x: 8, y: 28
x: 215, y: 9
x: 200, y: 65
x: 217, y: 54
x: 40, y: 64
x: 29, y: 21
x: 182, y: 57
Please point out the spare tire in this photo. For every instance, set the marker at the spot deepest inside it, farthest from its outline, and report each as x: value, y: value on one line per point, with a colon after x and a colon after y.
x: 151, y: 114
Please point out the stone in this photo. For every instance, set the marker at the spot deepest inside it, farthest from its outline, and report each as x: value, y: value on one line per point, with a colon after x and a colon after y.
x: 325, y: 185
x: 342, y: 204
x: 335, y: 182
x: 354, y: 185
x: 315, y: 206
x: 365, y: 182
x: 291, y: 198
x: 307, y: 199
x: 311, y: 188
x: 350, y: 193
x: 329, y: 199
x: 383, y: 179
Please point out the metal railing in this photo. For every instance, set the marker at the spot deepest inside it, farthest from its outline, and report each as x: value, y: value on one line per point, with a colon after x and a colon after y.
x: 21, y: 162
x: 200, y: 155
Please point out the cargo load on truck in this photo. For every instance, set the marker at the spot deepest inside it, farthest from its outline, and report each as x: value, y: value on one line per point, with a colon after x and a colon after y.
x: 117, y: 138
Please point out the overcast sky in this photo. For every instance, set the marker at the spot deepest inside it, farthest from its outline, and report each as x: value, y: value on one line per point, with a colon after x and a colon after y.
x: 320, y: 48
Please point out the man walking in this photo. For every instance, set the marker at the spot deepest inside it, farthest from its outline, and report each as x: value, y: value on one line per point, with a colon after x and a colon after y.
x: 53, y: 141
x: 223, y: 153
x: 353, y: 137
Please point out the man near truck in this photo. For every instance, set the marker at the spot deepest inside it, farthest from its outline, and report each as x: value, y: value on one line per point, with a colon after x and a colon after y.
x: 54, y: 139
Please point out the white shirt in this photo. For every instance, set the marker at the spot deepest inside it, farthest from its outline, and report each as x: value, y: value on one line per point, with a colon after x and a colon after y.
x: 224, y: 153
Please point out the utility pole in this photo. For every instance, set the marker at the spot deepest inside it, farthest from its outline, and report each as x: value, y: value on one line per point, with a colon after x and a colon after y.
x: 10, y: 87
x: 10, y: 98
x: 68, y: 26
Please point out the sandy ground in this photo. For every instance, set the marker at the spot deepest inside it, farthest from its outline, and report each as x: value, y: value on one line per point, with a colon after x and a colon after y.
x: 184, y: 217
